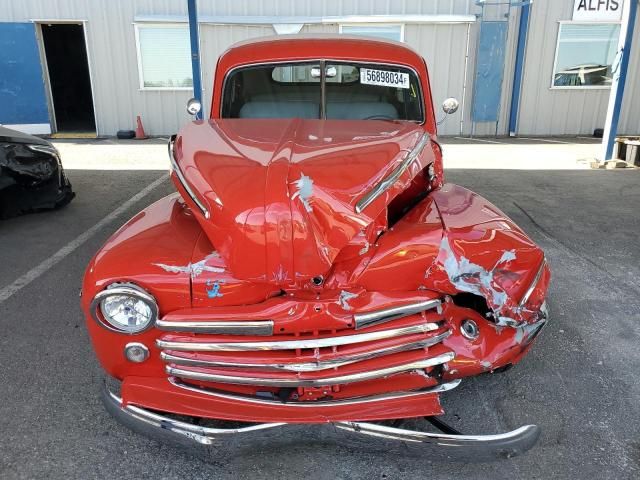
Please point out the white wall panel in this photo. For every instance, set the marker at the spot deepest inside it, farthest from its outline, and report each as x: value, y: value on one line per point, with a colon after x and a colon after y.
x: 443, y: 47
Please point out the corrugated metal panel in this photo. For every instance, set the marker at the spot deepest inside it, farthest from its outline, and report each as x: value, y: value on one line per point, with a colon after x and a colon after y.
x: 111, y: 45
x: 546, y: 111
x: 112, y: 54
x: 342, y: 7
x: 446, y: 65
x: 113, y: 61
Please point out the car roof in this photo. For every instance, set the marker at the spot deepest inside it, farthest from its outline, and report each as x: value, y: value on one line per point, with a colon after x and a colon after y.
x: 319, y: 46
x: 14, y: 136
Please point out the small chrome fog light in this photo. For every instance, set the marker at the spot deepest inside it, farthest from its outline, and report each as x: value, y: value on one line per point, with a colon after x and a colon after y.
x: 469, y: 329
x: 136, y: 352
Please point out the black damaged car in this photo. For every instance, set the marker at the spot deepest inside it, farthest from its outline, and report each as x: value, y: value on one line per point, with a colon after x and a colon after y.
x: 31, y: 175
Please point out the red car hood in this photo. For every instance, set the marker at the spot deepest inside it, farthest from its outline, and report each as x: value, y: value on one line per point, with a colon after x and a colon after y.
x: 282, y: 193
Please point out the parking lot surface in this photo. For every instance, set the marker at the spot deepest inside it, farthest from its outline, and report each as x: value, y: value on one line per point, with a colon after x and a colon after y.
x: 580, y: 383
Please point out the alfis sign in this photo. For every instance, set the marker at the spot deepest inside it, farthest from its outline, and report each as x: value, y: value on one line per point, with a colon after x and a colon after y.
x: 597, y: 10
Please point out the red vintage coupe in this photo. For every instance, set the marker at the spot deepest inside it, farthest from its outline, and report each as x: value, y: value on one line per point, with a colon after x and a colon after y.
x: 314, y: 267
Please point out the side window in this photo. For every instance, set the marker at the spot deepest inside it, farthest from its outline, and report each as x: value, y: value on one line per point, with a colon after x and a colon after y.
x: 296, y: 74
x: 164, y: 56
x: 585, y: 54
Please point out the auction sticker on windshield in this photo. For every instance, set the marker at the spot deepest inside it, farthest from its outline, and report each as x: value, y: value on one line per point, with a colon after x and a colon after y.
x: 384, y: 78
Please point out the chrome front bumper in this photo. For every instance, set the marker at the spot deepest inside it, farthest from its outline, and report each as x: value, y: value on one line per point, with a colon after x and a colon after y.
x: 230, y: 441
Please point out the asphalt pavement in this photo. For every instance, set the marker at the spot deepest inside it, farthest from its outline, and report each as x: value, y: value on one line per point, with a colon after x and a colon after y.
x: 580, y: 383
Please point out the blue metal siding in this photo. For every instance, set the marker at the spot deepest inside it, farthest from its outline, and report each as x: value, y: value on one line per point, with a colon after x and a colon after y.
x: 490, y: 71
x: 22, y: 94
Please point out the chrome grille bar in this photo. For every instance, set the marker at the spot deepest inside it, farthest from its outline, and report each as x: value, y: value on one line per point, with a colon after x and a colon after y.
x: 295, y: 344
x: 444, y: 387
x: 368, y: 319
x: 259, y: 328
x: 307, y: 366
x: 315, y: 382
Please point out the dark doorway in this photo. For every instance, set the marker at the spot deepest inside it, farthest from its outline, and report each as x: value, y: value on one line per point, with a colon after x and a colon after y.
x: 68, y: 67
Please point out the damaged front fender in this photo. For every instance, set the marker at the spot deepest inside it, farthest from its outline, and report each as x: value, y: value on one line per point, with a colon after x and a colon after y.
x: 456, y: 242
x: 484, y: 253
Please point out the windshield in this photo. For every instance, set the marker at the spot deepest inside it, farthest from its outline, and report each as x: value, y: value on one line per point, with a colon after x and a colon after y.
x: 343, y: 91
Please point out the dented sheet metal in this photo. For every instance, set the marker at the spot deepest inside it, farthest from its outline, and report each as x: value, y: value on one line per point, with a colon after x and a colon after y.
x: 469, y: 277
x: 482, y: 252
x: 304, y: 189
x: 31, y: 175
x: 292, y: 188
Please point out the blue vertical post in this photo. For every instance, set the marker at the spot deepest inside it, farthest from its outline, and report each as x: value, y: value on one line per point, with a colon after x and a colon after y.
x: 619, y: 79
x: 195, y: 53
x: 523, y: 30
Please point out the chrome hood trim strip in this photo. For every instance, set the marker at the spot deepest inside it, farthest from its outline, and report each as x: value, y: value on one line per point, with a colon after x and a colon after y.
x: 316, y: 382
x: 183, y: 181
x: 387, y: 182
x: 295, y: 344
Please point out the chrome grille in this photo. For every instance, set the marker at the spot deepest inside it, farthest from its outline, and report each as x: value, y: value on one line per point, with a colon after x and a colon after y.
x: 336, y: 341
x: 311, y: 366
x: 408, y: 342
x: 312, y: 382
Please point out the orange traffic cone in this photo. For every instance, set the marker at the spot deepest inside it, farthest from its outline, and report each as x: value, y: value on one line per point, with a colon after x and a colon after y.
x: 140, y: 135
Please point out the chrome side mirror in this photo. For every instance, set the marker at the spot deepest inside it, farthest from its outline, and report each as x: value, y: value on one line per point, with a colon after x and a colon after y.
x: 194, y: 106
x: 450, y: 106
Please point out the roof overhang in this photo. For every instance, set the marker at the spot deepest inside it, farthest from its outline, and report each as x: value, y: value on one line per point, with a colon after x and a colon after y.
x: 281, y: 20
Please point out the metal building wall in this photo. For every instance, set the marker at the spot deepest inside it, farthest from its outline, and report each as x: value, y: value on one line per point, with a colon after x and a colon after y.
x: 113, y: 62
x: 444, y: 46
x: 118, y: 99
x: 547, y: 111
x: 112, y: 59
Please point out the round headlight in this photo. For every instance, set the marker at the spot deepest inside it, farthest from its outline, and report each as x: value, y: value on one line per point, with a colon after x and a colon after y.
x: 124, y: 308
